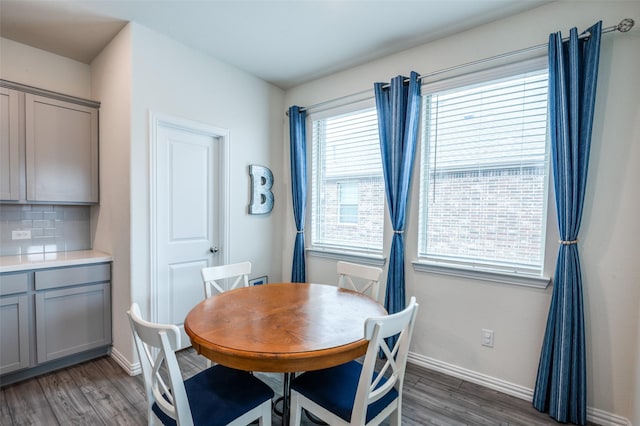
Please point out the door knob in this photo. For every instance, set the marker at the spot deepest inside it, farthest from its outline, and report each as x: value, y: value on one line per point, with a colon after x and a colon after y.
x: 214, y: 249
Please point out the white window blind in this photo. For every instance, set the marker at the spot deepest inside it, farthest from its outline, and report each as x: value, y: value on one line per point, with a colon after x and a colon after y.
x: 485, y: 174
x: 347, y: 211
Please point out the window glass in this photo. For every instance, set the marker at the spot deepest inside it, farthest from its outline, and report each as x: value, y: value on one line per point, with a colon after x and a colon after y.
x: 484, y: 173
x: 347, y: 211
x: 348, y: 199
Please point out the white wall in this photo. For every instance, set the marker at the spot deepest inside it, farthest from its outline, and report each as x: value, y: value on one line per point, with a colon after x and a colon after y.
x: 34, y: 67
x: 141, y: 72
x: 169, y: 78
x: 453, y: 310
x: 111, y: 83
x: 138, y: 72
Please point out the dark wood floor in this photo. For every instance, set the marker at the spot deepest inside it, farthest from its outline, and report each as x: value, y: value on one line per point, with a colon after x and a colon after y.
x: 99, y: 392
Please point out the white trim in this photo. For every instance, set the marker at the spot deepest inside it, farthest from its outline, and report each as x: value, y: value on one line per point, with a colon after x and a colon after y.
x: 156, y: 120
x: 605, y: 418
x: 482, y: 275
x: 472, y: 376
x: 496, y: 71
x: 363, y: 258
x: 595, y: 415
x: 153, y: 219
x: 132, y: 369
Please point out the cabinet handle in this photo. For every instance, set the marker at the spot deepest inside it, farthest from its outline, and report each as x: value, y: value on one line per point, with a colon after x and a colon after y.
x: 214, y: 250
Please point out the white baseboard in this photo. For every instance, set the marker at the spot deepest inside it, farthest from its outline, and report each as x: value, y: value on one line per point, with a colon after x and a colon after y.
x: 472, y: 376
x: 131, y: 369
x: 594, y: 415
x: 606, y: 418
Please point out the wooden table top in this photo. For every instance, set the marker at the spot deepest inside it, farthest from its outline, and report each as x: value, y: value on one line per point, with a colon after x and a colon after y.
x: 282, y: 327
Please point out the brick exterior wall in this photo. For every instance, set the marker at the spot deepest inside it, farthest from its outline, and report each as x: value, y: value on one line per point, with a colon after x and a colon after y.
x: 368, y: 231
x: 459, y: 203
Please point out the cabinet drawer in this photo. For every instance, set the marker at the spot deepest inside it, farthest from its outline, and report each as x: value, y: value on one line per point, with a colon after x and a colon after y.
x: 14, y: 283
x: 63, y: 277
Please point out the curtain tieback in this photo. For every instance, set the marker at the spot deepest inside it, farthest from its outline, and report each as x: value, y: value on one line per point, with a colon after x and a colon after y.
x: 566, y: 243
x: 398, y: 232
x: 300, y: 232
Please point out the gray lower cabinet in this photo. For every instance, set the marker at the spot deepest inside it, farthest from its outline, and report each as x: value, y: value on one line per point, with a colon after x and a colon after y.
x: 14, y: 336
x: 14, y: 323
x: 52, y: 318
x: 72, y: 320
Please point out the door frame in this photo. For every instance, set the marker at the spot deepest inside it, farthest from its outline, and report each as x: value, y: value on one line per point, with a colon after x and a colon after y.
x: 157, y: 120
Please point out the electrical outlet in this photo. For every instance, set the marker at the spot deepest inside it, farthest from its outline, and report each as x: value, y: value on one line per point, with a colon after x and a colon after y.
x: 21, y: 234
x: 487, y: 338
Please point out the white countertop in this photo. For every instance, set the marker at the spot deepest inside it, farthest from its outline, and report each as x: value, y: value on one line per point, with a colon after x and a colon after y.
x: 51, y: 260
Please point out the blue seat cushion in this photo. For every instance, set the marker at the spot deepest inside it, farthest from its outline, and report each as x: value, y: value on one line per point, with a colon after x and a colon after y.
x: 335, y: 389
x: 219, y: 395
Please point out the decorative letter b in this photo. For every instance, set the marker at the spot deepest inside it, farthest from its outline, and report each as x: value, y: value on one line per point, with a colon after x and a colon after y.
x: 261, y: 195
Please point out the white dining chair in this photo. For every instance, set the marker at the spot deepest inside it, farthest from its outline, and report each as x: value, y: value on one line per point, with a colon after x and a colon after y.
x: 361, y: 278
x: 357, y: 393
x: 216, y: 396
x: 213, y: 277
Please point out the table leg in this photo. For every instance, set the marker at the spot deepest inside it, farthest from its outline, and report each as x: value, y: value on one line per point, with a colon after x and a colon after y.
x: 286, y: 401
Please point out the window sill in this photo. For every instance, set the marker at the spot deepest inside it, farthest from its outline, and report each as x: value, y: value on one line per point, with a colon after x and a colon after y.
x: 482, y: 274
x: 348, y: 256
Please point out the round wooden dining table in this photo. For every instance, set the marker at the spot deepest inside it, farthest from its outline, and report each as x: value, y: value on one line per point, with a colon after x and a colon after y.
x: 282, y: 327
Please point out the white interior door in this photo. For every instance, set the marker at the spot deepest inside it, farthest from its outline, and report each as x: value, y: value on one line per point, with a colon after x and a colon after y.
x: 188, y: 209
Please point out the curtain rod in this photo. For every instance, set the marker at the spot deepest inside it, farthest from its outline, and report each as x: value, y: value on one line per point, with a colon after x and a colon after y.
x: 624, y: 26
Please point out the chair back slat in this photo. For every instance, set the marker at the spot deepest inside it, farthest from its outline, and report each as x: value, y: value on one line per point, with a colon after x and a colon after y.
x: 156, y: 345
x: 377, y: 331
x: 361, y: 278
x: 216, y: 278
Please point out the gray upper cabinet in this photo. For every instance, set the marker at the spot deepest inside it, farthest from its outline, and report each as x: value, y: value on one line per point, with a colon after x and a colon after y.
x: 62, y: 151
x: 49, y: 147
x: 9, y: 144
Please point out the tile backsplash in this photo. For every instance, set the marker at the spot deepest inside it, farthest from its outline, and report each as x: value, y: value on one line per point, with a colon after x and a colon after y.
x: 51, y: 228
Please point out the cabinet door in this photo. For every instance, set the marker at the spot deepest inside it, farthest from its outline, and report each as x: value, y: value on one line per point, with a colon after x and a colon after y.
x: 9, y: 145
x: 62, y: 151
x: 72, y: 320
x: 14, y: 333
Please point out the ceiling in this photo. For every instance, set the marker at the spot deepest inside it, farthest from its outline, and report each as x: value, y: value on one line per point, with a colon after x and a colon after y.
x: 284, y: 42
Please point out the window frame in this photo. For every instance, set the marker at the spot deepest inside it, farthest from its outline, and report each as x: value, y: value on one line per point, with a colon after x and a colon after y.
x: 483, y: 272
x: 368, y: 257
